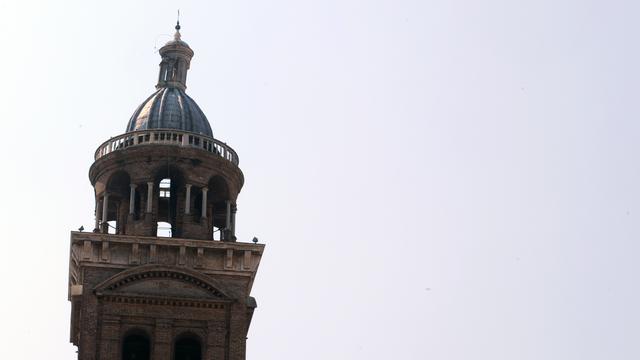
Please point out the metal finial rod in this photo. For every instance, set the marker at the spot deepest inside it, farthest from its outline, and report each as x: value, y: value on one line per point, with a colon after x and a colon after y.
x: 177, y: 36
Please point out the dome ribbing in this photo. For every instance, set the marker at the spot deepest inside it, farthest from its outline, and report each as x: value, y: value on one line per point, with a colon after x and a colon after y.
x: 170, y: 107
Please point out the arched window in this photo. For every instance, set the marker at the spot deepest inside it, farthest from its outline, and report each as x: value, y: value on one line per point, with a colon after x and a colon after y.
x: 135, y: 347
x: 187, y: 348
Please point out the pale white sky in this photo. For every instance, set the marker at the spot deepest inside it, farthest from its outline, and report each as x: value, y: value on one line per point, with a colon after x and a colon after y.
x: 433, y: 179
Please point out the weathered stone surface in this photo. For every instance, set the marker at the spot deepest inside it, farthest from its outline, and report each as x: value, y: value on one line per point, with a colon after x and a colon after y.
x: 116, y: 172
x: 121, y: 293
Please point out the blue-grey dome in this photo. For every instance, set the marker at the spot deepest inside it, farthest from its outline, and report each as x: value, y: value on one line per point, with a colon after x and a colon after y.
x: 170, y: 108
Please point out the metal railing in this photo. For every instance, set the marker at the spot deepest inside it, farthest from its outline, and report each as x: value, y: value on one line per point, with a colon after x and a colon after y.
x: 167, y: 137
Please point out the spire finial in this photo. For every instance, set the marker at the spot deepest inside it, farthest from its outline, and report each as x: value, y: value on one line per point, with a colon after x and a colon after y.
x: 177, y: 34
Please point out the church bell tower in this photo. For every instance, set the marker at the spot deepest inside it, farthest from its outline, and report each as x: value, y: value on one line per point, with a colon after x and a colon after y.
x: 162, y: 275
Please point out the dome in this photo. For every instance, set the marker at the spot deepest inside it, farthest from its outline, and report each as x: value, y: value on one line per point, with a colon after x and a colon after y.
x: 176, y: 42
x: 170, y: 108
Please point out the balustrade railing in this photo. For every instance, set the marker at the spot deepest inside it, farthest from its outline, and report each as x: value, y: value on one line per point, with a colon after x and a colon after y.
x: 167, y: 137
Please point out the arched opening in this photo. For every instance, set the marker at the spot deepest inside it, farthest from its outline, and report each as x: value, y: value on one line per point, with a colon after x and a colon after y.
x: 174, y: 72
x: 135, y: 347
x: 196, y: 195
x: 138, y: 208
x: 164, y: 208
x: 167, y: 196
x: 187, y: 348
x: 112, y: 226
x: 164, y: 229
x: 117, y: 203
x: 219, y: 203
x: 165, y: 73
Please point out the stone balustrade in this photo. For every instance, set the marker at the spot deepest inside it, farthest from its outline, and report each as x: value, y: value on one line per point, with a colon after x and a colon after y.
x: 167, y: 137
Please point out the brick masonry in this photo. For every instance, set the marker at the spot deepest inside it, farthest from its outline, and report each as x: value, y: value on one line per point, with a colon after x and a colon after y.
x: 133, y: 282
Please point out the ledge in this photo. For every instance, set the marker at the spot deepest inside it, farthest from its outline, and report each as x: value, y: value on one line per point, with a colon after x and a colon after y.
x: 77, y: 236
x: 122, y: 251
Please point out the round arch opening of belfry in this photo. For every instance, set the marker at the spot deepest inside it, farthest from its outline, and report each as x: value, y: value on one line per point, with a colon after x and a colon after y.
x: 136, y: 345
x: 187, y: 346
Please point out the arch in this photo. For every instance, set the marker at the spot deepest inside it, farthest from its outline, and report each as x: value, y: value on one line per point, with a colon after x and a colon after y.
x: 136, y: 345
x: 119, y: 182
x: 168, y: 171
x: 219, y: 188
x: 187, y: 346
x: 117, y: 188
x: 147, y: 272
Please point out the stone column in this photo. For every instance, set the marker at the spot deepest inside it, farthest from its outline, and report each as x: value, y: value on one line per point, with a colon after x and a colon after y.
x: 132, y: 199
x: 97, y: 216
x: 105, y: 206
x: 105, y: 210
x: 149, y: 197
x: 204, y: 202
x: 233, y: 222
x: 187, y: 202
x: 228, y: 224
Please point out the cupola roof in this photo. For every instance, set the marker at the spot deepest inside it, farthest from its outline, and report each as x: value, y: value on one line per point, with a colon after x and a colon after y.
x: 170, y: 107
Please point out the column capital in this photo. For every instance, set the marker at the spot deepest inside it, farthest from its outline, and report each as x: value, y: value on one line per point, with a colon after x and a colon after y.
x: 133, y: 186
x: 188, y: 186
x: 150, y: 183
x: 205, y: 189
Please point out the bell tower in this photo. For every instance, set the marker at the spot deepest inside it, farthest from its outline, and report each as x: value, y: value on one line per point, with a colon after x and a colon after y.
x: 162, y: 275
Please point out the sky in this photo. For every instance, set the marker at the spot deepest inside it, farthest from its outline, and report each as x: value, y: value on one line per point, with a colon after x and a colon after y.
x: 432, y: 179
